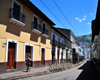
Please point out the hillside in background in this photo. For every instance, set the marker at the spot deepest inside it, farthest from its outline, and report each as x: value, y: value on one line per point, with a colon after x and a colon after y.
x: 84, y: 39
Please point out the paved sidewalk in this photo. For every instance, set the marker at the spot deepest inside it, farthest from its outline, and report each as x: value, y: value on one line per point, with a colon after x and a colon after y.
x: 18, y: 73
x: 33, y: 71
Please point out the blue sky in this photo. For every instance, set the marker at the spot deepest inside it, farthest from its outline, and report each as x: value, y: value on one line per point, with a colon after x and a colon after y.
x: 80, y: 13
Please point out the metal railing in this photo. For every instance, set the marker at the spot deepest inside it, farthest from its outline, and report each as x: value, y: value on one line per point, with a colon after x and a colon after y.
x: 17, y: 15
x: 63, y: 45
x: 45, y: 31
x: 58, y: 67
x: 54, y: 42
x: 36, y: 26
x: 59, y: 44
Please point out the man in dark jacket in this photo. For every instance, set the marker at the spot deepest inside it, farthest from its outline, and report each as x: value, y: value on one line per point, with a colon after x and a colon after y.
x: 28, y: 63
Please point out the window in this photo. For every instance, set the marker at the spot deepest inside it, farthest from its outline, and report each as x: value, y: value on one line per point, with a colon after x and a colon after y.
x: 53, y: 37
x: 62, y: 41
x: 44, y: 28
x: 35, y: 19
x: 58, y: 39
x: 36, y: 22
x: 17, y: 5
x: 16, y: 11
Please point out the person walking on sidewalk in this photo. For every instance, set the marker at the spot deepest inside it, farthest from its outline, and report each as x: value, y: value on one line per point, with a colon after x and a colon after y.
x: 28, y: 63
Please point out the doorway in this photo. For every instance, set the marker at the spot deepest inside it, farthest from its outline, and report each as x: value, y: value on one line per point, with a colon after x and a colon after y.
x: 66, y: 56
x: 53, y: 54
x: 11, y: 55
x: 28, y: 54
x: 62, y: 57
x: 43, y: 56
x: 58, y: 56
x: 53, y: 57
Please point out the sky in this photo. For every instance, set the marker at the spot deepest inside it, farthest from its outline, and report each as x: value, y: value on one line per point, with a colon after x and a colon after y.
x: 80, y: 13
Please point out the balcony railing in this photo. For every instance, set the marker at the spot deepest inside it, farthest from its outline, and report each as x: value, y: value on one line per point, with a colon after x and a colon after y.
x: 63, y: 45
x: 54, y: 42
x: 36, y: 28
x: 17, y: 15
x: 45, y: 31
x: 59, y: 44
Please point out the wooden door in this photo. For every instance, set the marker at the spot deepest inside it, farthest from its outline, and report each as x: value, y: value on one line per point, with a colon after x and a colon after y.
x: 11, y: 57
x: 27, y: 54
x: 42, y: 61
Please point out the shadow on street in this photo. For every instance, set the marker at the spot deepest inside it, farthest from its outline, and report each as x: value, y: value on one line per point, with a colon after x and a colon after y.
x: 89, y: 72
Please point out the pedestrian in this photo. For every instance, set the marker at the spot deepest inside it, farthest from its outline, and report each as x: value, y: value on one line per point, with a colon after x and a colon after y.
x: 28, y: 60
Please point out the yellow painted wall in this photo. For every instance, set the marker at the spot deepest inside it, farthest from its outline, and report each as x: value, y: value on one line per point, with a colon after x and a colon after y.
x: 20, y: 51
x: 2, y: 49
x: 37, y: 53
x: 48, y: 54
x: 24, y: 34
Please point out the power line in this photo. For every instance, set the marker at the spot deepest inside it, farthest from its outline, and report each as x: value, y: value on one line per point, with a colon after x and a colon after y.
x: 57, y: 18
x: 52, y: 13
x: 66, y: 18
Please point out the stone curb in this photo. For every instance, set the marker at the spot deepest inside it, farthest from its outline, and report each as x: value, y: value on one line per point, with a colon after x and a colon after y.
x: 41, y: 73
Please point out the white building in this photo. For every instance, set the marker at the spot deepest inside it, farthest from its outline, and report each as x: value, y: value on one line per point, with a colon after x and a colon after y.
x: 61, y: 46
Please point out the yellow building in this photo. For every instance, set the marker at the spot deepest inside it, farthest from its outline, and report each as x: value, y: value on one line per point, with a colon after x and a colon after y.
x: 24, y: 31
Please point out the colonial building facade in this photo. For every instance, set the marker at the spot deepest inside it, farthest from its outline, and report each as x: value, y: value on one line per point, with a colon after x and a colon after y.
x: 61, y: 46
x: 24, y: 31
x: 70, y: 35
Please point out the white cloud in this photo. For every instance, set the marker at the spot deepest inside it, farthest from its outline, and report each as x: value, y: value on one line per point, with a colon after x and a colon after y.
x: 78, y: 19
x: 91, y: 13
x: 89, y: 23
x: 85, y: 16
x: 84, y: 19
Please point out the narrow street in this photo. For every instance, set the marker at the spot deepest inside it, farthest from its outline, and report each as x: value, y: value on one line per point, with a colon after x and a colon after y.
x: 82, y: 72
x: 70, y: 74
x: 49, y: 40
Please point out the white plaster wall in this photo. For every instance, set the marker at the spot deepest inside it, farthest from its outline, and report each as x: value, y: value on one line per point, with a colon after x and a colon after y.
x: 56, y: 49
x: 64, y: 53
x: 60, y: 51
